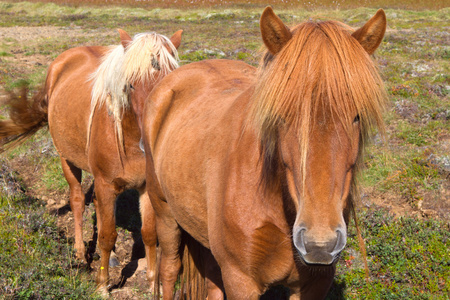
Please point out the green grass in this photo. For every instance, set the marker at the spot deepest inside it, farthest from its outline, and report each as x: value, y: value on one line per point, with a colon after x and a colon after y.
x: 408, y: 174
x: 53, y: 177
x: 409, y: 258
x: 36, y: 261
x: 421, y: 135
x: 4, y: 53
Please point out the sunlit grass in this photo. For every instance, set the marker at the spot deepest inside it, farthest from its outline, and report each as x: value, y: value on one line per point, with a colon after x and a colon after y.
x: 35, y: 260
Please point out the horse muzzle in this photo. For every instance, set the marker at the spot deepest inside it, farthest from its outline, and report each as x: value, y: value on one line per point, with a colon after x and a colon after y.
x: 316, y: 251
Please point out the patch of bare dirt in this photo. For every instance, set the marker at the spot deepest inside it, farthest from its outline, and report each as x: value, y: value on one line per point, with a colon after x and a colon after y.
x: 128, y: 266
x: 433, y: 205
x: 26, y: 34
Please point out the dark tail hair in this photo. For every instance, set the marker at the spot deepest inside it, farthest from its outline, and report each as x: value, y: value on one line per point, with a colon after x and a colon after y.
x: 193, y: 283
x: 26, y: 116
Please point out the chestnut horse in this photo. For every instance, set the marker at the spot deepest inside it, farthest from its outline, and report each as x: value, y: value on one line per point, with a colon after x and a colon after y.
x: 259, y: 167
x: 92, y: 101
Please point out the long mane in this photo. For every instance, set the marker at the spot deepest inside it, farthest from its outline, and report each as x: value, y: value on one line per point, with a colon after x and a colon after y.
x: 321, y: 67
x: 144, y: 57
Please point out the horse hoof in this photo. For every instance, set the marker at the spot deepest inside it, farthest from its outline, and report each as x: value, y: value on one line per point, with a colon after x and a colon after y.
x: 102, y: 291
x: 113, y: 261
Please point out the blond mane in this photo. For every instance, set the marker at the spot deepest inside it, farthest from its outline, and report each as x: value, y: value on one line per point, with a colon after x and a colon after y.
x: 143, y: 58
x: 321, y: 66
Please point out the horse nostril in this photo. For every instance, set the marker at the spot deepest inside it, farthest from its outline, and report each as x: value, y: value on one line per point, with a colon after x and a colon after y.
x: 341, y: 240
x: 299, y: 240
x: 315, y: 251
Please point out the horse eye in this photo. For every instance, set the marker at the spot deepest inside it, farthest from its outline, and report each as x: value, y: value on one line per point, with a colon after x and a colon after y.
x: 356, y: 120
x: 131, y: 87
x: 155, y: 64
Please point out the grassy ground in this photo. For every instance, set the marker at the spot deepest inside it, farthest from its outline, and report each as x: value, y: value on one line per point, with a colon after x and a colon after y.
x: 303, y: 4
x: 405, y: 206
x: 35, y: 258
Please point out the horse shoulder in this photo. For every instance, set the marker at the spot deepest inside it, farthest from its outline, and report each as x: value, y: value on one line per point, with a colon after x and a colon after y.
x: 183, y: 85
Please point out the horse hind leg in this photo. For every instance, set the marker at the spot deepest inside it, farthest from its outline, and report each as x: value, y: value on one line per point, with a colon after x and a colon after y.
x: 105, y: 198
x: 76, y: 200
x: 169, y: 237
x: 149, y: 238
x: 213, y: 276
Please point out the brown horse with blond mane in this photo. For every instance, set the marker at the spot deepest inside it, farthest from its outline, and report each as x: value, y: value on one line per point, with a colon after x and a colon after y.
x: 92, y: 101
x: 259, y: 167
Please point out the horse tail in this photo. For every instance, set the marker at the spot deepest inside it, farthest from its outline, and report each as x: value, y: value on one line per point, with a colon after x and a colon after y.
x: 26, y: 117
x: 192, y: 281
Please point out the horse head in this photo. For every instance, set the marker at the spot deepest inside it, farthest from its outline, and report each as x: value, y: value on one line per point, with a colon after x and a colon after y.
x: 319, y: 94
x: 148, y: 58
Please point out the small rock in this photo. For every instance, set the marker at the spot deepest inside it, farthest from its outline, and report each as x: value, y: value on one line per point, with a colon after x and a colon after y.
x: 141, y: 265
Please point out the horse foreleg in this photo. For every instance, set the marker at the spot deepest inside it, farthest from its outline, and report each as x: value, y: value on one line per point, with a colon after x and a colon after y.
x: 76, y: 200
x: 149, y: 238
x: 239, y: 285
x: 105, y: 198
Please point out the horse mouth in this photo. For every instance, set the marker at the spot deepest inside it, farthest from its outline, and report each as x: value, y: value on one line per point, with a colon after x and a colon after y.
x: 325, y: 261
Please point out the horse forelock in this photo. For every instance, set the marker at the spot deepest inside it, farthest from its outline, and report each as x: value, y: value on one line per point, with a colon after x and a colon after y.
x: 147, y: 55
x: 144, y: 57
x: 321, y: 67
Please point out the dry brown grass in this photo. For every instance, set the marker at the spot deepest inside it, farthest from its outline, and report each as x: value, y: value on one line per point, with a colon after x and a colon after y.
x: 305, y: 4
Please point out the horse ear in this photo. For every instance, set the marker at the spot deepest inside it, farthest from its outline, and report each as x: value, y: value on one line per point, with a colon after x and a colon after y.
x: 372, y: 33
x: 273, y: 31
x: 176, y: 38
x: 125, y: 38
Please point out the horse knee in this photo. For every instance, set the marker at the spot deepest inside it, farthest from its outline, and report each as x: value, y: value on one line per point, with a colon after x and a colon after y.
x: 107, y: 240
x: 248, y: 288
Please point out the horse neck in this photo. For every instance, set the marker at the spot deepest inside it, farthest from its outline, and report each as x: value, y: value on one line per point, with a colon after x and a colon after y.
x: 131, y: 128
x: 104, y: 135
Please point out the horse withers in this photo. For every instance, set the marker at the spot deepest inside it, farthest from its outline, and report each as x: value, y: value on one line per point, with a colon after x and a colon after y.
x: 92, y: 101
x: 259, y: 166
